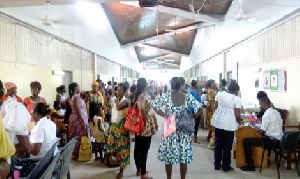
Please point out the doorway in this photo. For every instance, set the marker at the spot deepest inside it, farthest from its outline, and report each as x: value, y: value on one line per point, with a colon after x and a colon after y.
x: 66, y: 80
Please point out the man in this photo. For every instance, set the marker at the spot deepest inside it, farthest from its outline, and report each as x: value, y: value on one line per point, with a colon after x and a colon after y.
x: 271, y: 127
x: 223, y: 85
x: 151, y: 91
x: 194, y: 92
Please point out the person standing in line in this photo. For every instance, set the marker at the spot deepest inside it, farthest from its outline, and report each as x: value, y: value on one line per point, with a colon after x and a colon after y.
x: 78, y: 120
x: 143, y: 140
x: 223, y: 85
x: 210, y: 109
x: 118, y: 140
x: 177, y: 147
x: 226, y: 119
x: 151, y: 91
x: 182, y: 82
x: 30, y: 101
x: 194, y: 92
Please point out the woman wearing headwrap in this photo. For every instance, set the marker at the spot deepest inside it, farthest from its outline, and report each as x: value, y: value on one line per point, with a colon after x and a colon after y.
x: 94, y: 98
x: 11, y: 91
x: 30, y: 101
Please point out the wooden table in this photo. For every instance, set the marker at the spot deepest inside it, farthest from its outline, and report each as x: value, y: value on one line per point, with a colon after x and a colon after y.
x: 241, y: 134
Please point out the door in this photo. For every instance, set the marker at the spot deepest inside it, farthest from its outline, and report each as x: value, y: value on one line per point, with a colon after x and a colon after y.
x: 66, y: 80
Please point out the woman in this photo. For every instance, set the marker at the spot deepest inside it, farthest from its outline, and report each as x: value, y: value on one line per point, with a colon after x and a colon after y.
x: 118, y: 140
x: 11, y: 89
x: 226, y: 119
x: 176, y: 148
x: 61, y: 93
x: 78, y: 119
x: 93, y: 98
x: 43, y: 135
x: 211, y: 85
x: 143, y: 140
x: 30, y: 101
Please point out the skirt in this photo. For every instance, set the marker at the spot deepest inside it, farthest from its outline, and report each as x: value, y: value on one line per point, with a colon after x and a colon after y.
x: 176, y: 148
x: 118, y: 141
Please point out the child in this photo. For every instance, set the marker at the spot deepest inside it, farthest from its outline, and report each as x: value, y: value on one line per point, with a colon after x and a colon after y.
x: 58, y: 119
x: 98, y: 132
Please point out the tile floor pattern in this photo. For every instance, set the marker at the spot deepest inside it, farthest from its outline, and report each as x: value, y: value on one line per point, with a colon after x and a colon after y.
x: 201, y: 167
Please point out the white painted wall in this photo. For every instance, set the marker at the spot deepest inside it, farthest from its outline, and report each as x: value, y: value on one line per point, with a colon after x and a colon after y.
x: 96, y: 38
x: 157, y: 75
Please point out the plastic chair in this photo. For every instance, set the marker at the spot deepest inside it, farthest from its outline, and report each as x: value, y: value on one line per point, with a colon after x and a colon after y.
x: 289, y: 144
x: 42, y: 165
x: 65, y: 158
x: 48, y: 173
x: 275, y: 144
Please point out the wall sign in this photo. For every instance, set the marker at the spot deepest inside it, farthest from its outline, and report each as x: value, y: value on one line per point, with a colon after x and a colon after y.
x: 275, y: 79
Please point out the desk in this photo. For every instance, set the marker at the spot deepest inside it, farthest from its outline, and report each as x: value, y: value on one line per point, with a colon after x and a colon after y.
x: 241, y: 134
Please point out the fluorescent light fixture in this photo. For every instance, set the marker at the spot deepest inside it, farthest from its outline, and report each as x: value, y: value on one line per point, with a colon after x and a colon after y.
x: 58, y: 72
x: 251, y: 20
x: 169, y: 60
x: 148, y: 52
x: 92, y: 13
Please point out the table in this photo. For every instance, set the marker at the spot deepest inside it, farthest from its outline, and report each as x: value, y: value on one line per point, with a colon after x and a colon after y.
x: 241, y: 134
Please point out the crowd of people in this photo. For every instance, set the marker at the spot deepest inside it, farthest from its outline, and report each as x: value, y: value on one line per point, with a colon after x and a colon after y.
x: 32, y: 127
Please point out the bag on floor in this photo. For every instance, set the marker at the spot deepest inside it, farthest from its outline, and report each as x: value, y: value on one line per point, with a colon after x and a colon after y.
x: 85, y: 151
x: 169, y: 125
x: 134, y: 120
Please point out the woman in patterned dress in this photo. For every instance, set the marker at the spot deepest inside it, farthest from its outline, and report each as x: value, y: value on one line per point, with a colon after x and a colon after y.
x: 177, y: 147
x: 211, y: 85
x: 78, y: 120
x: 143, y: 140
x: 118, y: 140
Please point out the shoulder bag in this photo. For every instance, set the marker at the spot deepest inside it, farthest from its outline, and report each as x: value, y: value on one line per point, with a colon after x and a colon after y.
x: 134, y: 120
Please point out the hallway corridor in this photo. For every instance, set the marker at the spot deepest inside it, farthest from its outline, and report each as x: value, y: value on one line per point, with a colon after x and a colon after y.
x: 201, y: 167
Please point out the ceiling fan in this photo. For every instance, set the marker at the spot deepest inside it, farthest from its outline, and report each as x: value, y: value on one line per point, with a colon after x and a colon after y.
x: 240, y: 16
x: 46, y: 21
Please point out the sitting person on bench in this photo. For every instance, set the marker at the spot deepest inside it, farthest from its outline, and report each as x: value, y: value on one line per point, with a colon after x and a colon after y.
x: 271, y: 127
x: 43, y: 135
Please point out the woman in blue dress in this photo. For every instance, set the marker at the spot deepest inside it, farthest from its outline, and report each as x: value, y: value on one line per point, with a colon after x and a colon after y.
x: 177, y: 147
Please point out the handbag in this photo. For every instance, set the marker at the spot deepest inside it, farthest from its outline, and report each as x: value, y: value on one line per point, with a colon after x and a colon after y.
x: 134, y: 120
x: 85, y: 151
x: 187, y: 122
x: 169, y: 125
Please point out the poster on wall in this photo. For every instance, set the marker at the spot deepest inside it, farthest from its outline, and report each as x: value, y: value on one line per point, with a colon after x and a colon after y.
x: 282, y: 80
x: 274, y: 79
x: 266, y: 79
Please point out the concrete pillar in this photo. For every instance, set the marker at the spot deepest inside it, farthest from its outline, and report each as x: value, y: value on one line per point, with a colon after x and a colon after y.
x: 224, y: 65
x: 94, y: 62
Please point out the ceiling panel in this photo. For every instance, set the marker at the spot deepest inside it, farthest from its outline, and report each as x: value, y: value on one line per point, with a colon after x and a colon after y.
x: 210, y: 7
x: 181, y: 43
x: 132, y: 24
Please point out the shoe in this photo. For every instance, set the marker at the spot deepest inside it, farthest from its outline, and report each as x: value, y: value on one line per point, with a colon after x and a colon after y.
x: 146, y: 177
x: 138, y: 172
x: 248, y: 168
x: 230, y: 169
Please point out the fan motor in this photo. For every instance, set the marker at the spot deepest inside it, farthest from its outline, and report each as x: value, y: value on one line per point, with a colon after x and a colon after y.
x: 148, y: 3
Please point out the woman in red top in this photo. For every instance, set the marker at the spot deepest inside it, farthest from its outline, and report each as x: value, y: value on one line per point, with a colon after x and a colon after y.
x: 30, y: 101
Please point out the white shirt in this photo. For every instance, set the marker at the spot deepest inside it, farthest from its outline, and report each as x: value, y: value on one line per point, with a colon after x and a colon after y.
x: 224, y: 117
x: 44, y: 132
x: 272, y: 123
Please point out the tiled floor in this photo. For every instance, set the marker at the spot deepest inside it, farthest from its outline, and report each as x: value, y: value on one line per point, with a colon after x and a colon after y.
x: 201, y: 167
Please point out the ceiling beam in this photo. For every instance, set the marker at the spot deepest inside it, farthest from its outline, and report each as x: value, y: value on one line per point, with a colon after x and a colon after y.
x: 177, y: 31
x: 25, y: 3
x: 215, y: 19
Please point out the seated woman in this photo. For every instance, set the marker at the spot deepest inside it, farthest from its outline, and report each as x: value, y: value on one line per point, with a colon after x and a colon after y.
x: 43, y: 135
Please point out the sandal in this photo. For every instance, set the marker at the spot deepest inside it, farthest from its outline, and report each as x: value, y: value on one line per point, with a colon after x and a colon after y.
x: 138, y: 172
x: 146, y: 177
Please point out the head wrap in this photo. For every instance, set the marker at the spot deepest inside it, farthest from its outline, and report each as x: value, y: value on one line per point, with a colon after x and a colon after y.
x: 95, y: 83
x: 9, y: 85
